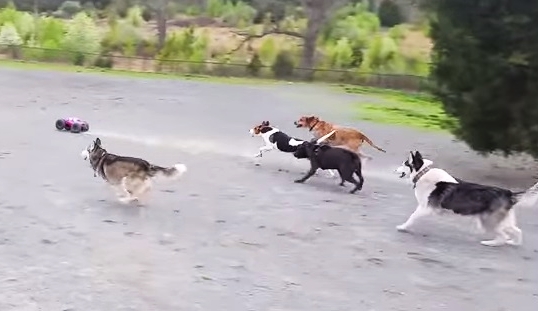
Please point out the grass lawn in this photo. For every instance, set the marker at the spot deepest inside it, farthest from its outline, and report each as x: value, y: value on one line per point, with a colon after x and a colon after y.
x: 125, y: 73
x: 417, y: 110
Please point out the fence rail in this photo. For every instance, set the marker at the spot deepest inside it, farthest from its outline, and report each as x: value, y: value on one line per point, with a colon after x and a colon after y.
x: 181, y: 67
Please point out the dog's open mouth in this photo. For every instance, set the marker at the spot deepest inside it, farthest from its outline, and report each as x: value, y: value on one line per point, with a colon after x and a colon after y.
x: 402, y: 175
x: 297, y: 124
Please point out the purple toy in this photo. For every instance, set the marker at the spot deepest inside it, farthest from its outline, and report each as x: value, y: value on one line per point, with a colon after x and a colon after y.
x: 74, y: 125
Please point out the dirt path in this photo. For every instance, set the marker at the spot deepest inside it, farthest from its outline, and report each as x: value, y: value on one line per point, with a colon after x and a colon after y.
x: 230, y: 235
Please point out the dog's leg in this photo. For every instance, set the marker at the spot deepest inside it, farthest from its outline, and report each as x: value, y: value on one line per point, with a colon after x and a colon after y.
x: 308, y: 175
x: 418, y: 213
x: 501, y: 238
x: 124, y: 188
x: 262, y: 150
x: 511, y: 228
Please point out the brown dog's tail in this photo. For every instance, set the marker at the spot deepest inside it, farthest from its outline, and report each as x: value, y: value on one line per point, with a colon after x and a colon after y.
x: 366, y: 139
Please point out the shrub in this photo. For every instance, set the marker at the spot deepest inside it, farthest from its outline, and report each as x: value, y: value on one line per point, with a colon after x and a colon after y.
x: 9, y: 35
x: 134, y: 16
x: 341, y: 55
x: 283, y: 65
x: 389, y: 13
x: 352, y: 22
x: 104, y: 61
x: 215, y: 8
x: 267, y: 51
x: 70, y: 8
x: 255, y: 65
x: 240, y: 14
x: 82, y: 36
x: 185, y: 45
x: 146, y: 14
x: 79, y: 58
x: 50, y: 29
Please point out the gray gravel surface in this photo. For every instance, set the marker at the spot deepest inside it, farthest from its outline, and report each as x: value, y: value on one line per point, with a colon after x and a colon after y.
x: 232, y: 235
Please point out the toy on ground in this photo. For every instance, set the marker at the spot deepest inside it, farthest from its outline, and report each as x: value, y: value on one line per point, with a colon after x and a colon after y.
x: 74, y: 125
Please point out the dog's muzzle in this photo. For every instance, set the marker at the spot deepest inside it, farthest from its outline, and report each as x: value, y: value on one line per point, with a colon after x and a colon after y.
x: 402, y: 175
x: 297, y: 124
x: 85, y: 155
x: 401, y: 171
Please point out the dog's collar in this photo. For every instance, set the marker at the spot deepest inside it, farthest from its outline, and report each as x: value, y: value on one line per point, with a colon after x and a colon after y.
x: 312, y: 127
x: 419, y: 176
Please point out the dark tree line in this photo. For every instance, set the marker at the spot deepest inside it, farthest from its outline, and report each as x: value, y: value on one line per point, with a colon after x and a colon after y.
x: 486, y: 71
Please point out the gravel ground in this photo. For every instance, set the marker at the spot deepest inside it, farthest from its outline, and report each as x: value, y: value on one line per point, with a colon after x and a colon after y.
x: 232, y: 235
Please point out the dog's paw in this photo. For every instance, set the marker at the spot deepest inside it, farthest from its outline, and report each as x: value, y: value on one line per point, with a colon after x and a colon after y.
x: 257, y: 155
x: 401, y: 228
x: 513, y: 243
x: 298, y: 181
x: 493, y: 243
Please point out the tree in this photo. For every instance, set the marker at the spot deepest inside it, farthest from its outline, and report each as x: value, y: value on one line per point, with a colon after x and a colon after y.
x: 158, y: 7
x: 317, y: 13
x: 485, y: 71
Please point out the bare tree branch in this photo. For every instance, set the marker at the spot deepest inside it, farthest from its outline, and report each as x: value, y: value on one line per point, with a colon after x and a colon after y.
x: 275, y: 30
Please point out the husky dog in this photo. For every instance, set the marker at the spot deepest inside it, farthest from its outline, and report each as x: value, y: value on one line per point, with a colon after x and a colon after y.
x: 438, y: 191
x: 130, y: 177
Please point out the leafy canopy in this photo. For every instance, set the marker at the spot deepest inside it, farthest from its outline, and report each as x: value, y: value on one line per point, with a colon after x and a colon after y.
x: 486, y: 71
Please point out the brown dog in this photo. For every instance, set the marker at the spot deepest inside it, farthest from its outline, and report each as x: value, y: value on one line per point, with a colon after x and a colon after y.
x: 343, y: 137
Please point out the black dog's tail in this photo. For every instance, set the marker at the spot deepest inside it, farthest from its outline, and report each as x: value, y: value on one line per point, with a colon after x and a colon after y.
x: 529, y: 197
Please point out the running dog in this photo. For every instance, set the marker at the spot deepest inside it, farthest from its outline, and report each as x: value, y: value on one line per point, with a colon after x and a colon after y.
x: 130, y: 177
x: 437, y: 191
x: 344, y: 137
x: 346, y: 162
x: 276, y: 139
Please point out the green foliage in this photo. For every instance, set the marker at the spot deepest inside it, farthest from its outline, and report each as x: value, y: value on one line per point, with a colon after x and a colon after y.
x: 485, y: 71
x: 238, y: 14
x: 340, y: 55
x: 122, y: 37
x: 185, y: 45
x: 82, y: 35
x: 283, y: 65
x: 134, y: 16
x: 70, y: 8
x: 389, y: 13
x: 353, y: 22
x: 383, y: 55
x: 104, y: 61
x: 268, y: 51
x: 255, y: 65
x: 50, y: 31
x: 9, y: 35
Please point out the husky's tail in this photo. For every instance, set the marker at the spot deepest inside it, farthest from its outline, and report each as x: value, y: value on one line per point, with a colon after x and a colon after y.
x: 529, y: 197
x: 173, y: 172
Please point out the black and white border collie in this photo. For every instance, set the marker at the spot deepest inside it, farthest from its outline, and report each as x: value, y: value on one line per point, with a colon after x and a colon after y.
x: 276, y: 139
x: 437, y: 191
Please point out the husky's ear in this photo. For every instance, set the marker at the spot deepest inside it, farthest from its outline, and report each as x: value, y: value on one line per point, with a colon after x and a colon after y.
x: 98, y: 142
x: 418, y: 156
x: 265, y: 123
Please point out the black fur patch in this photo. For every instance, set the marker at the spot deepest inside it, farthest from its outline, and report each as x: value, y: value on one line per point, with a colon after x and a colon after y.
x: 282, y: 141
x: 467, y: 198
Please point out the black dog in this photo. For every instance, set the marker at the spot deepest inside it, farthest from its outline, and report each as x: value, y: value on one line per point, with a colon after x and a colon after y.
x: 327, y: 157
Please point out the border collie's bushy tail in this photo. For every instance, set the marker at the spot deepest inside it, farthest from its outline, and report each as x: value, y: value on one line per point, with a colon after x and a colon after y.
x: 529, y: 197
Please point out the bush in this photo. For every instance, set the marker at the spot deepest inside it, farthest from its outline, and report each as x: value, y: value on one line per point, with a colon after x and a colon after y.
x: 79, y: 58
x: 104, y: 61
x: 255, y: 65
x: 267, y: 51
x: 50, y: 29
x: 185, y: 45
x: 70, y: 8
x: 82, y: 36
x: 284, y: 65
x: 9, y: 35
x: 340, y: 56
x: 134, y: 16
x: 352, y: 22
x: 389, y: 13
